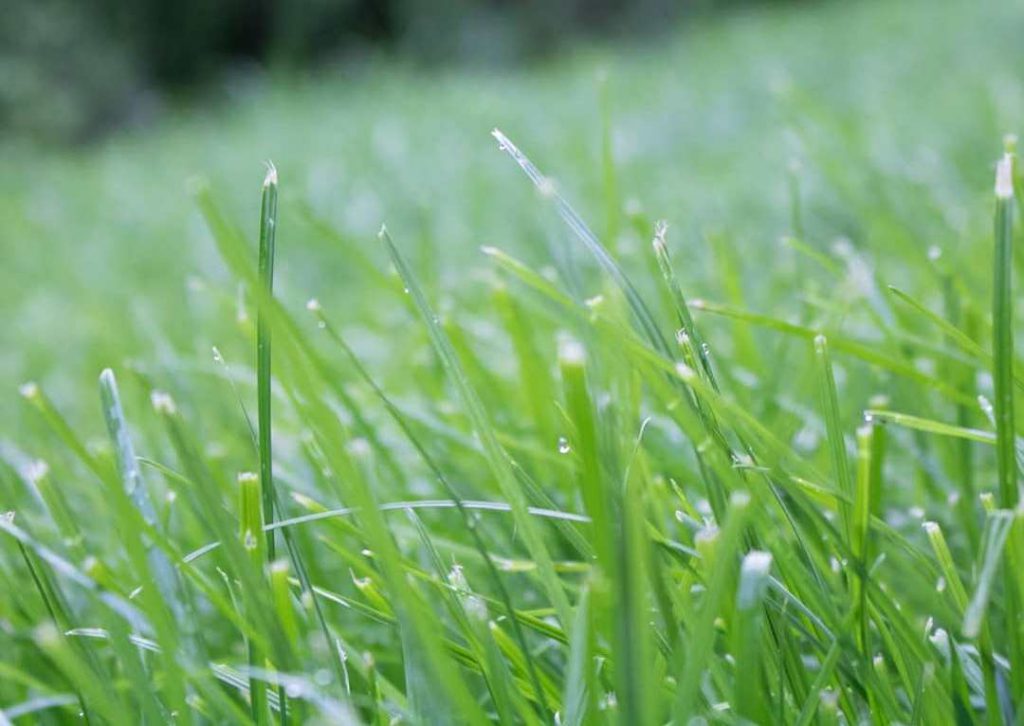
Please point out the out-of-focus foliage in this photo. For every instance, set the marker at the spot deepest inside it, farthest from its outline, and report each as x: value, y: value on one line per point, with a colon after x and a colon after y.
x: 61, y: 73
x: 70, y: 69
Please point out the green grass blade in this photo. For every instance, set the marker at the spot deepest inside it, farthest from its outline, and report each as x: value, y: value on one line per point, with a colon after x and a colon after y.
x: 268, y: 235
x: 994, y: 538
x: 747, y: 636
x: 497, y: 458
x: 834, y: 429
x: 1002, y: 374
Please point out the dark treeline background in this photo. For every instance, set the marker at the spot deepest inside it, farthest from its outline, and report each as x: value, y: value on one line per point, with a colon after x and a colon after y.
x: 72, y: 69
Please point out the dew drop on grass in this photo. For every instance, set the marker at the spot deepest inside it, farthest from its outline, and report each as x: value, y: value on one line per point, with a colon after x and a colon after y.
x: 563, y: 445
x: 250, y: 540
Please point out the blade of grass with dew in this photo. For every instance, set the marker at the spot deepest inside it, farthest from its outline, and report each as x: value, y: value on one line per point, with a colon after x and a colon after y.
x: 162, y: 593
x: 727, y: 544
x: 255, y: 544
x: 426, y: 667
x: 994, y: 536
x: 496, y: 456
x: 470, y: 614
x: 621, y: 572
x: 546, y: 187
x: 435, y: 469
x: 958, y: 594
x: 847, y: 346
x: 268, y: 236
x: 434, y: 689
x: 232, y: 247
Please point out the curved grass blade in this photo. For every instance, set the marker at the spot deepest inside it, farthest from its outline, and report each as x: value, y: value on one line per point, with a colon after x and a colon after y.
x: 578, y: 226
x: 164, y: 596
x: 497, y: 459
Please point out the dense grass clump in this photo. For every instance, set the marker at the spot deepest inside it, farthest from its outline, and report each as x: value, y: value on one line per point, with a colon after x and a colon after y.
x: 600, y: 468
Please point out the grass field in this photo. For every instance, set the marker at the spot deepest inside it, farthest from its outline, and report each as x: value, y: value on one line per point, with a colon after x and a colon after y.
x: 529, y: 455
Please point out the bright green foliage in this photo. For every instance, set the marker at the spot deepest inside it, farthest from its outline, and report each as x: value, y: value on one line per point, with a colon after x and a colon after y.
x: 759, y: 464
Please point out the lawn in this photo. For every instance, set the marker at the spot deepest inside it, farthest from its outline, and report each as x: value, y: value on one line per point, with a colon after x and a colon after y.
x: 527, y: 453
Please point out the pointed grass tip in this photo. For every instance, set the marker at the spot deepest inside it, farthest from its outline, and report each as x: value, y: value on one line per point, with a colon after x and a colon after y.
x: 571, y: 352
x: 35, y: 471
x: 659, y: 243
x: 163, y: 403
x: 503, y: 141
x: 1004, y: 177
x: 271, y: 178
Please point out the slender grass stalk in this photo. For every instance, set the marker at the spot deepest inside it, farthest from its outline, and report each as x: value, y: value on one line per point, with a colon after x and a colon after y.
x: 1002, y: 374
x: 870, y: 456
x: 255, y: 544
x: 725, y: 546
x: 834, y: 430
x: 1002, y: 321
x: 958, y: 594
x: 748, y: 637
x: 162, y: 592
x: 496, y: 456
x: 463, y: 508
x: 268, y: 233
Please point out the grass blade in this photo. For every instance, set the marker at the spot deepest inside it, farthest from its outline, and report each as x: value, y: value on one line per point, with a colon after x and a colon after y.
x: 268, y: 234
x: 497, y: 458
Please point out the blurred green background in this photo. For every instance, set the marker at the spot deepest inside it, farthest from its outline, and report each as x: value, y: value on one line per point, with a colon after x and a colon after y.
x: 890, y: 113
x: 72, y: 70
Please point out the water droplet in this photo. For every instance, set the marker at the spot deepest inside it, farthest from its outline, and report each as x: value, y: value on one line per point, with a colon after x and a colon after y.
x: 250, y: 540
x: 563, y: 445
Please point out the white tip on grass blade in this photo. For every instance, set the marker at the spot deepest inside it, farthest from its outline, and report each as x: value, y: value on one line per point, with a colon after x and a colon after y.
x: 753, y: 578
x: 163, y: 403
x: 994, y: 536
x: 659, y: 243
x: 571, y: 352
x: 271, y: 178
x: 1004, y: 177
